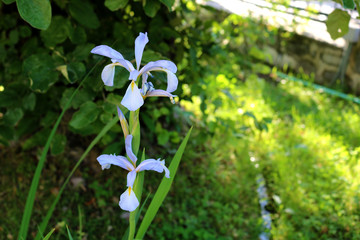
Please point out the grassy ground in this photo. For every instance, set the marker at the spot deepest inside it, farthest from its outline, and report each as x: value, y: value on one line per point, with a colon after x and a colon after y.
x: 309, y: 155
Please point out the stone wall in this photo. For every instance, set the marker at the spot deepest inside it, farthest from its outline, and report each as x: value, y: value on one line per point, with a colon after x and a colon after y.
x: 318, y: 58
x: 311, y: 47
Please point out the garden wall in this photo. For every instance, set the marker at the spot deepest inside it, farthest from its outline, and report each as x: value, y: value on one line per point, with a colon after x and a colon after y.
x: 310, y: 46
x: 320, y: 58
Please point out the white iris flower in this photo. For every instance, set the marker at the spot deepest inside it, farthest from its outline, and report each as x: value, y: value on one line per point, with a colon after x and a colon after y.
x: 128, y: 200
x: 134, y: 97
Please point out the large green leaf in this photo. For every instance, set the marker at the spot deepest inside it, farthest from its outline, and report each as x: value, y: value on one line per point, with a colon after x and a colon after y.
x: 78, y: 35
x: 29, y: 101
x: 13, y: 115
x: 36, y: 12
x: 75, y: 71
x: 83, y: 12
x: 337, y: 23
x: 168, y: 3
x: 87, y: 114
x: 82, y: 52
x: 151, y: 7
x: 80, y: 98
x: 41, y: 70
x: 114, y: 5
x: 57, y: 32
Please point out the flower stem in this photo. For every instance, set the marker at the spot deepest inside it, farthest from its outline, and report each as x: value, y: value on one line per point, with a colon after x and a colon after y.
x: 135, y: 131
x: 132, y: 225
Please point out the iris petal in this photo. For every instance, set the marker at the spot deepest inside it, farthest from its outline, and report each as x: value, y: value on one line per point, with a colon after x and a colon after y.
x: 133, y: 99
x: 123, y: 122
x: 107, y: 160
x: 160, y: 65
x: 107, y: 52
x: 131, y: 178
x: 124, y: 63
x: 128, y: 200
x: 128, y: 149
x: 140, y: 43
x: 161, y: 93
x: 108, y: 74
x: 155, y: 165
x: 172, y: 82
x: 134, y: 75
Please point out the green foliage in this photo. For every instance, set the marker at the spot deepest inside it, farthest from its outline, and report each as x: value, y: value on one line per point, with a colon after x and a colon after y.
x: 36, y: 12
x: 151, y: 7
x: 57, y: 32
x: 40, y: 69
x: 86, y: 115
x: 337, y: 23
x: 349, y: 4
x: 168, y: 3
x: 115, y: 5
x: 83, y: 12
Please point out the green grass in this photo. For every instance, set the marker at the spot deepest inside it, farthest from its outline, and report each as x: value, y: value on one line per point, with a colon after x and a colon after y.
x: 309, y: 155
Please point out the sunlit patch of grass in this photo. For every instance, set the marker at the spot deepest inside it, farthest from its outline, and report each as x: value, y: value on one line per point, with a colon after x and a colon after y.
x: 309, y: 155
x: 311, y: 162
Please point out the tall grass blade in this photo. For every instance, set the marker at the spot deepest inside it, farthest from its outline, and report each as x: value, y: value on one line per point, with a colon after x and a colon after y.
x: 80, y: 232
x: 49, y: 234
x: 68, y: 232
x: 162, y: 190
x: 92, y: 144
x: 35, y: 181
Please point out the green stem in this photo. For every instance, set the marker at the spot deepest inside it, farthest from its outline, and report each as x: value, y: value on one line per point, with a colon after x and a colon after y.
x: 132, y: 226
x: 135, y: 131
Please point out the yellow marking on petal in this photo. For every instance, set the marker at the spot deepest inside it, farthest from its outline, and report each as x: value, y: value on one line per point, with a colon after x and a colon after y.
x: 129, y: 190
x: 132, y: 85
x: 125, y: 127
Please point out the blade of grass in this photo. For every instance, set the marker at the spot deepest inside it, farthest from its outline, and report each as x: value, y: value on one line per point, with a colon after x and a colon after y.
x: 35, y: 181
x: 80, y: 223
x: 68, y: 232
x: 49, y: 234
x: 92, y: 144
x: 162, y: 190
